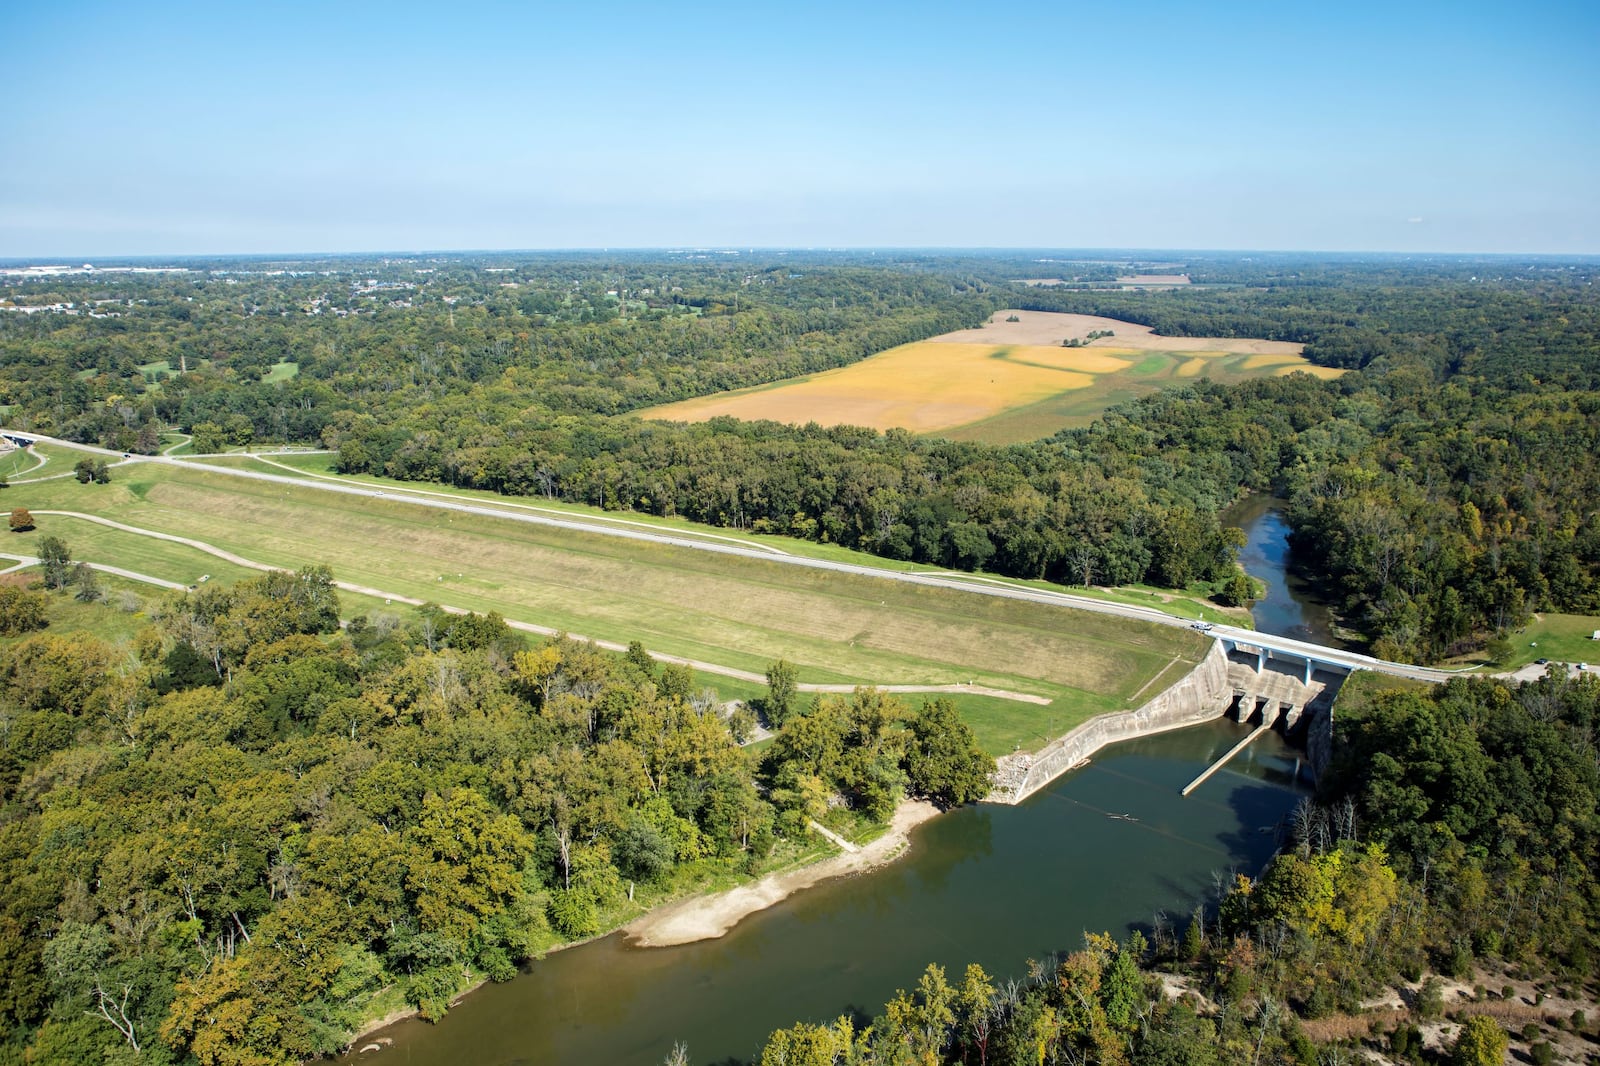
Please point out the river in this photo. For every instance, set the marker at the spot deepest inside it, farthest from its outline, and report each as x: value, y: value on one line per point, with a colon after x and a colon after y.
x: 1104, y: 848
x: 1290, y: 608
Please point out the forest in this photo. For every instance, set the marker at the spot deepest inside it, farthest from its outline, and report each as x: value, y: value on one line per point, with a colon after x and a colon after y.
x: 251, y: 830
x: 1439, y: 493
x: 244, y: 836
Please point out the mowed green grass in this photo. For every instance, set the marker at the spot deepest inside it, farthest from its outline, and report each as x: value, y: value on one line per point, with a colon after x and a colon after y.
x: 735, y: 612
x: 17, y: 463
x: 96, y: 544
x: 26, y: 463
x: 1079, y: 407
x: 1563, y: 638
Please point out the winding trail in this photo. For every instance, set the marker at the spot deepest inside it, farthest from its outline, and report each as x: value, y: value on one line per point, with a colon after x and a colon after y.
x: 39, y: 462
x: 25, y: 561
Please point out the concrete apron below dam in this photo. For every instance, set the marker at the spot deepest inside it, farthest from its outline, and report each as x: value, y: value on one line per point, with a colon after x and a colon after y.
x: 1239, y: 685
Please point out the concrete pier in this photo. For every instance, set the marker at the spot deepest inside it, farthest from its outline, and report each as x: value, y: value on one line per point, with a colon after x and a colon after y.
x: 1220, y: 763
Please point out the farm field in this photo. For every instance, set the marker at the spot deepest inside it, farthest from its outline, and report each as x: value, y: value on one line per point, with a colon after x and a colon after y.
x: 1006, y: 382
x: 735, y: 612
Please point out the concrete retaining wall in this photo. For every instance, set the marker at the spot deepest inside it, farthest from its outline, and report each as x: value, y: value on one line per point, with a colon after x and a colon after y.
x: 1202, y: 695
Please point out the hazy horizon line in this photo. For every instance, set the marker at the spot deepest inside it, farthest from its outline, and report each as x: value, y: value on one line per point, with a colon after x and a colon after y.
x: 81, y: 258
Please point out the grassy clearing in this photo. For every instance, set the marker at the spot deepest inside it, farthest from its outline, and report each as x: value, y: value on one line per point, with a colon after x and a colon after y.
x: 737, y: 612
x: 1004, y: 726
x: 1188, y: 603
x: 42, y: 460
x: 1151, y: 371
x: 115, y: 619
x: 322, y: 464
x: 317, y: 463
x: 180, y: 443
x: 153, y: 373
x: 281, y: 371
x: 1562, y: 638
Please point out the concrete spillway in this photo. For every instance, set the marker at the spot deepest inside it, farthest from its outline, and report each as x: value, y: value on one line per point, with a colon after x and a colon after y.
x: 1220, y: 763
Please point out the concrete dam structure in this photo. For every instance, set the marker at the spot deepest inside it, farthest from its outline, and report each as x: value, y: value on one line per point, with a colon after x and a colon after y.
x: 1246, y: 682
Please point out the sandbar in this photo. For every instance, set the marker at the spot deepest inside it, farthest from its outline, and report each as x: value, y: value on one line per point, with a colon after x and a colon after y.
x: 709, y: 917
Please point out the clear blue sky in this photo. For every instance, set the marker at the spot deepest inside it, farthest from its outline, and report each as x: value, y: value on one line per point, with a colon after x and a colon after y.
x: 166, y: 128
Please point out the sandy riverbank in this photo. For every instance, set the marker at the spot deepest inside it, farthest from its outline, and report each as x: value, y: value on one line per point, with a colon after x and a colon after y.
x: 708, y: 917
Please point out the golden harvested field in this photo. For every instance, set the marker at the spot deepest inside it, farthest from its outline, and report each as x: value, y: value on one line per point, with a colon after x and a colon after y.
x: 1005, y: 382
x: 1326, y: 373
x: 922, y: 387
x: 1260, y: 362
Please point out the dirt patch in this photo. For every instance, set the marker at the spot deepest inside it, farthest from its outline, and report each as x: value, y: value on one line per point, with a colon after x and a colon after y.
x: 709, y: 917
x: 1053, y: 327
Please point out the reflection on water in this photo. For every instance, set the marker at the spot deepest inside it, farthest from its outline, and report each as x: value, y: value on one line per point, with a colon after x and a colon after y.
x: 1289, y: 608
x: 1105, y: 848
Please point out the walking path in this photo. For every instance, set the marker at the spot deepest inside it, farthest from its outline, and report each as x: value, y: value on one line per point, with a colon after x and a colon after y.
x: 25, y: 561
x: 838, y: 841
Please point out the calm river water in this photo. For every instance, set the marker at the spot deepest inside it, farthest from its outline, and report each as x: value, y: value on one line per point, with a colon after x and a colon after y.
x: 1104, y: 848
x: 1289, y: 609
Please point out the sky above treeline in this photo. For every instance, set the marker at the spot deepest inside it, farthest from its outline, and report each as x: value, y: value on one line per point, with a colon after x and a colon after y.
x: 166, y: 129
